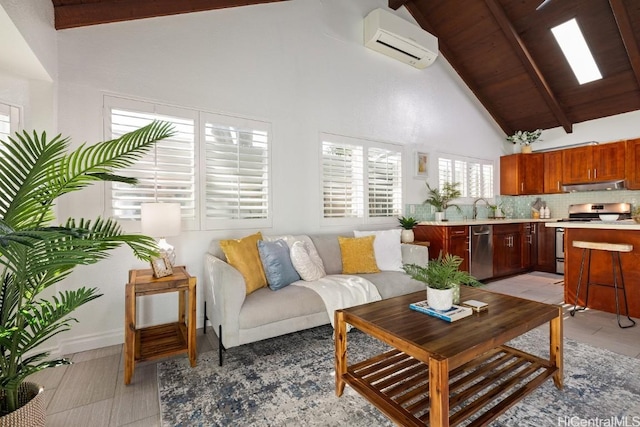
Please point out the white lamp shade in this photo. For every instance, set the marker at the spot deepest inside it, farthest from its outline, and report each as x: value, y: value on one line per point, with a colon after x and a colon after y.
x: 160, y: 219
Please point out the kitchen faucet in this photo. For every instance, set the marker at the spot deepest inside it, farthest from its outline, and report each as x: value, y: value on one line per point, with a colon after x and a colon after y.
x: 475, y: 206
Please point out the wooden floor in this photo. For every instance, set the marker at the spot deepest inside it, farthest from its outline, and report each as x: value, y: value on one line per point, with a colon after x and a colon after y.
x: 91, y: 392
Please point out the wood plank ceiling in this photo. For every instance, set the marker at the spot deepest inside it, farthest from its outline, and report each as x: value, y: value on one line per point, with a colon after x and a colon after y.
x: 502, y: 49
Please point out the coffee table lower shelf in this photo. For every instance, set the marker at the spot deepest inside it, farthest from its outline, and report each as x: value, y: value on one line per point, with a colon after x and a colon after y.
x: 398, y: 385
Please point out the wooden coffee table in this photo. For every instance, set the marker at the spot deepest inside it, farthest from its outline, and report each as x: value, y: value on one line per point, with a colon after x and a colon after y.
x: 443, y: 373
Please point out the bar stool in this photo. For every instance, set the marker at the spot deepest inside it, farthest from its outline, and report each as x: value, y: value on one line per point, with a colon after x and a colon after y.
x: 615, y: 249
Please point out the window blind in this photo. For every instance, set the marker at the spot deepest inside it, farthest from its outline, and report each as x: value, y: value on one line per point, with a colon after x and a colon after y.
x: 342, y: 180
x: 474, y: 175
x: 165, y: 174
x: 384, y: 172
x: 237, y: 170
x: 9, y: 120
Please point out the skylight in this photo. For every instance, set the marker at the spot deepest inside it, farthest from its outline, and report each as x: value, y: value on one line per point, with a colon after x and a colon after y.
x: 575, y: 49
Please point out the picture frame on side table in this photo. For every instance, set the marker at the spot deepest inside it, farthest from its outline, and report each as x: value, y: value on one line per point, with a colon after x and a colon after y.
x: 421, y: 165
x: 161, y: 267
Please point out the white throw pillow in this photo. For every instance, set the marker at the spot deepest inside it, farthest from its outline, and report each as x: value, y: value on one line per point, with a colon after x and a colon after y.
x: 386, y: 246
x: 306, y: 261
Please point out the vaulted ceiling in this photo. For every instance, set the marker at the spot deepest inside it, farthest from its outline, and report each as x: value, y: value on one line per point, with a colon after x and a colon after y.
x: 502, y: 49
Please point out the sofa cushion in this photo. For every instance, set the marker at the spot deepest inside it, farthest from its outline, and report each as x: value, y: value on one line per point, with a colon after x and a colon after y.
x: 394, y: 283
x: 306, y: 261
x: 242, y: 254
x: 358, y: 255
x: 276, y: 263
x: 265, y: 306
x: 329, y: 250
x: 387, y: 248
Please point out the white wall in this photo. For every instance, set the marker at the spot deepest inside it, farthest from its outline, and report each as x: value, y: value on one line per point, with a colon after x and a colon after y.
x: 299, y: 65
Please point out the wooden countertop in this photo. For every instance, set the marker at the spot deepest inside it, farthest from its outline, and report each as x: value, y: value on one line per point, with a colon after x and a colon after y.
x: 626, y: 224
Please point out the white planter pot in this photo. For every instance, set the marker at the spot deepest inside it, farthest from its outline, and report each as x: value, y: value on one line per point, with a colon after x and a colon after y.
x: 407, y: 236
x: 439, y: 216
x: 440, y: 299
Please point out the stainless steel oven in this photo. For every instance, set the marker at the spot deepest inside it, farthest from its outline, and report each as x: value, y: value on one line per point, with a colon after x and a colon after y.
x: 560, y: 250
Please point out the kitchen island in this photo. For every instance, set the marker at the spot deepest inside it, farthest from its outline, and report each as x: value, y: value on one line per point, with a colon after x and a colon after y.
x: 602, y: 298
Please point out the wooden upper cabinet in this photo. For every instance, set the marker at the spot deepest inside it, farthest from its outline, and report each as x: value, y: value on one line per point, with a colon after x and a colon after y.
x: 552, y: 172
x: 593, y: 163
x: 521, y: 174
x: 633, y: 164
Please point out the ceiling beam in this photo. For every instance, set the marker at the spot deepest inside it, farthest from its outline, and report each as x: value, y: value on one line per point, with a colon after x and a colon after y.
x: 83, y: 14
x: 529, y: 64
x: 395, y: 4
x: 444, y: 50
x: 626, y: 32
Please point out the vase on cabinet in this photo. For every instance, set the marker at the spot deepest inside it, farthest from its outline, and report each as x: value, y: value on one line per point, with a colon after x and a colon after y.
x: 407, y: 236
x: 526, y: 149
x: 439, y: 216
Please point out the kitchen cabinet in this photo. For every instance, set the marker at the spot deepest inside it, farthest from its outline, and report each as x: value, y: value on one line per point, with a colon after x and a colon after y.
x: 529, y: 245
x: 507, y: 247
x: 594, y: 163
x: 552, y: 161
x: 522, y: 174
x: 632, y: 168
x: 545, y: 259
x: 448, y: 240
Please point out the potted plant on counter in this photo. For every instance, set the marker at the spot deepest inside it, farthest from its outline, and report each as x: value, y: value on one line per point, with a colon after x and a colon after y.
x: 441, y: 199
x: 36, y: 255
x: 407, y: 224
x: 443, y: 278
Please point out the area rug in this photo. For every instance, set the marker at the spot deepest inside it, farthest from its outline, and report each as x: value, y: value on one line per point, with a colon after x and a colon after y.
x: 288, y: 381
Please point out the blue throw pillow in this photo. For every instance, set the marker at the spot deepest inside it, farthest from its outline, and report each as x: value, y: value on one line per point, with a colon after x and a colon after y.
x: 277, y: 264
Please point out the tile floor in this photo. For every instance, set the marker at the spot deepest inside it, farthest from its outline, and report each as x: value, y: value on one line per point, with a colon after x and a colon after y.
x: 91, y: 392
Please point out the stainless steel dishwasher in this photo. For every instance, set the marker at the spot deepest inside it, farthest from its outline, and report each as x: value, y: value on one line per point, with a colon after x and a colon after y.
x: 481, y: 251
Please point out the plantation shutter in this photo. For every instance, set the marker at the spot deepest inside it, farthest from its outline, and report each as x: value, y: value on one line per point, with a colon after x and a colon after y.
x: 9, y: 120
x: 342, y: 180
x: 384, y: 172
x: 475, y: 176
x: 166, y: 173
x: 237, y: 171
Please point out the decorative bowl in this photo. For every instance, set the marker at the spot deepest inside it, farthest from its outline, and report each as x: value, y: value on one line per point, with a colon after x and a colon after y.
x: 608, y: 217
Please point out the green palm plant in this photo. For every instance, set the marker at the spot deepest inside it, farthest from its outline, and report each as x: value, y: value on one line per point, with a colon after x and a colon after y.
x: 35, y: 255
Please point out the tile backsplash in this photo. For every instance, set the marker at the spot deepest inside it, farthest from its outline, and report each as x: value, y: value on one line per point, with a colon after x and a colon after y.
x: 520, y: 206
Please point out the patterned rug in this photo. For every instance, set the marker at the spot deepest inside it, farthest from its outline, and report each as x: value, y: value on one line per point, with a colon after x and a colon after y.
x: 288, y: 381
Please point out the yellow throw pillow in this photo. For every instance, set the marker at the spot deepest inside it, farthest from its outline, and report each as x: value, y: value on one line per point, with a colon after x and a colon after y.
x: 243, y: 255
x: 358, y: 255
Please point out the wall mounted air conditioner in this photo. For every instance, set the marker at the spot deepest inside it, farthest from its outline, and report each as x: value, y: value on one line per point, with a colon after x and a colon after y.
x: 386, y: 33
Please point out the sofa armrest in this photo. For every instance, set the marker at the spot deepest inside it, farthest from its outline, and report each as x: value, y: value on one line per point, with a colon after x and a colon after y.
x: 224, y: 293
x: 415, y: 254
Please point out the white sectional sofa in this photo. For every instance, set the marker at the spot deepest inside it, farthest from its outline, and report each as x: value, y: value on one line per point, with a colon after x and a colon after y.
x: 238, y: 318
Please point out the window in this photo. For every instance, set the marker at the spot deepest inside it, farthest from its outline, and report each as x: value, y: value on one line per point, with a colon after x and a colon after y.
x: 237, y: 170
x: 215, y: 166
x: 347, y: 180
x: 575, y: 49
x: 9, y: 120
x: 474, y: 175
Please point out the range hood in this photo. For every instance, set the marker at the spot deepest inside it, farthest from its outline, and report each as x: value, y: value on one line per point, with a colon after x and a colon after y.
x: 594, y: 186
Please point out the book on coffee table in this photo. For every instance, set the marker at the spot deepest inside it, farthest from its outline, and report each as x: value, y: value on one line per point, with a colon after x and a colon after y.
x: 456, y: 312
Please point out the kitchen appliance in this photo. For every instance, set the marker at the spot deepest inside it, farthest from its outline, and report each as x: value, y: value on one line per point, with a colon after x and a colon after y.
x: 481, y: 251
x: 587, y: 212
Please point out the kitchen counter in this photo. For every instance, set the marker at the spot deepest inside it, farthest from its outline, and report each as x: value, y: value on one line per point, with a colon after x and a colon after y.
x: 481, y: 221
x: 626, y: 224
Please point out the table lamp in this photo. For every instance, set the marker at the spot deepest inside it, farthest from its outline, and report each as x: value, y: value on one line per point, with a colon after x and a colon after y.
x: 161, y: 220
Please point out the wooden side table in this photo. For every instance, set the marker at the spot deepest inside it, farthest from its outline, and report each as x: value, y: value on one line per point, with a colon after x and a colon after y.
x: 154, y: 342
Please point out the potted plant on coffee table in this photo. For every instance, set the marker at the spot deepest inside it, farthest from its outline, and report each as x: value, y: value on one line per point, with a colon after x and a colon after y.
x: 441, y: 199
x: 442, y: 277
x: 407, y: 224
x: 35, y: 254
